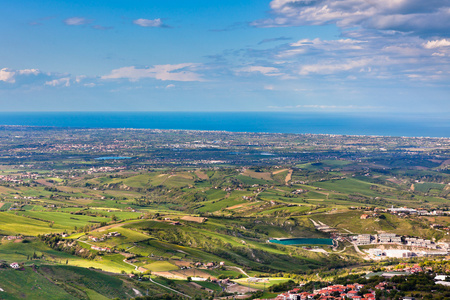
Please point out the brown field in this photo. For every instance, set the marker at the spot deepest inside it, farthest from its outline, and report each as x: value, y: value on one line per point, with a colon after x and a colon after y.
x: 191, y: 273
x: 288, y: 176
x: 257, y: 175
x: 279, y: 171
x: 1, y: 204
x: 239, y: 205
x: 445, y: 163
x: 194, y: 219
x: 170, y: 275
x: 240, y: 289
x: 201, y: 175
x: 114, y: 226
x: 395, y: 180
x: 70, y: 189
x: 180, y: 263
x: 83, y: 201
x: 44, y: 182
x: 5, y: 190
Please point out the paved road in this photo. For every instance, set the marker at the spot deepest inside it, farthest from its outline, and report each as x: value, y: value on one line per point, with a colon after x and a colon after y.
x: 357, y: 249
x: 239, y: 269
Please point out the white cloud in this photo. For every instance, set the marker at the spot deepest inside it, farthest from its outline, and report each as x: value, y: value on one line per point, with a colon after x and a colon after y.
x: 59, y: 82
x: 149, y: 23
x: 170, y: 86
x: 28, y: 72
x: 178, y: 72
x: 331, y: 68
x: 8, y: 75
x: 77, y: 21
x: 269, y: 87
x: 267, y: 71
x: 305, y: 46
x: 342, y: 44
x: 437, y: 44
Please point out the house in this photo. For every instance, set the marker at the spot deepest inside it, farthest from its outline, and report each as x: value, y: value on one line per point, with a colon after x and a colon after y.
x: 15, y: 266
x: 364, y: 217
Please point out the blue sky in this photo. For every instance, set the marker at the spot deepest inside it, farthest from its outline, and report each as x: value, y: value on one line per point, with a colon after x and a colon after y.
x: 255, y: 55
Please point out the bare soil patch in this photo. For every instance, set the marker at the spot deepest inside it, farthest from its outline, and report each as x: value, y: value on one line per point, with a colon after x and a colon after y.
x: 180, y: 263
x: 194, y: 219
x: 240, y: 289
x: 201, y: 175
x: 445, y: 163
x: 279, y: 171
x: 288, y: 176
x: 170, y: 275
x: 395, y: 180
x: 44, y: 182
x: 238, y: 206
x: 192, y: 273
x: 257, y: 175
x: 113, y: 226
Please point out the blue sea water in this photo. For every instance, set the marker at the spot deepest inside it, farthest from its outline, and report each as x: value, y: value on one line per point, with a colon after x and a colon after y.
x: 274, y: 122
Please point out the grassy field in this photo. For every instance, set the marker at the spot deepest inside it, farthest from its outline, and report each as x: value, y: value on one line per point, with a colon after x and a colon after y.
x: 261, y: 285
x: 27, y: 284
x: 425, y: 187
x: 12, y: 224
x: 161, y: 266
x: 64, y: 220
x: 105, y: 285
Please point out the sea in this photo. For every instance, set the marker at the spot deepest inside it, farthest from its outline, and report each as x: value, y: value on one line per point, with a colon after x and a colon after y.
x: 410, y: 125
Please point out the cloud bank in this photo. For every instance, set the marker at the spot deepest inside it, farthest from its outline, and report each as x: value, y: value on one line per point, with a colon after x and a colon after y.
x: 430, y: 17
x: 177, y: 72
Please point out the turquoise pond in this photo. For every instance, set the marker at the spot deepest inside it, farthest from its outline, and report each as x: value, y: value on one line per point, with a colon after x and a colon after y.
x: 303, y: 241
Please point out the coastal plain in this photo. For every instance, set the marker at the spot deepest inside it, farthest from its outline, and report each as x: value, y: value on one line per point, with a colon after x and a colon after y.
x: 126, y: 213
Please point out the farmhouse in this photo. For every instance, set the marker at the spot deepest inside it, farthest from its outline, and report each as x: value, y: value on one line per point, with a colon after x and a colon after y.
x: 15, y: 266
x: 364, y: 217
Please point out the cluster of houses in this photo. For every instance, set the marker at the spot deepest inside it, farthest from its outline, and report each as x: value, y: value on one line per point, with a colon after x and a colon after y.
x: 392, y: 238
x: 209, y: 265
x: 332, y: 292
x: 298, y: 191
x: 12, y: 237
x: 18, y: 179
x: 104, y: 169
x: 104, y: 237
x: 104, y: 249
x: 402, y: 211
x: 382, y: 238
